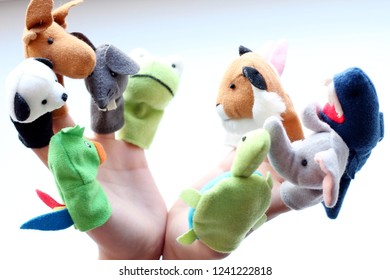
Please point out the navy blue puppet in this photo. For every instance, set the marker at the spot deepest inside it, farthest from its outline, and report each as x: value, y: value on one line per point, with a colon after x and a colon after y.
x: 353, y: 112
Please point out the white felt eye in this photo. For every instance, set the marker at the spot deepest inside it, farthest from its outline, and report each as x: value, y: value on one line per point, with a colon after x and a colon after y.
x: 141, y: 56
x: 176, y: 64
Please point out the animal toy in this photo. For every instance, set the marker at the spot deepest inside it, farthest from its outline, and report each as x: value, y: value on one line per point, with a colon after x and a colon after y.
x: 226, y: 209
x: 249, y: 93
x: 45, y: 36
x: 312, y: 167
x: 33, y: 93
x: 147, y: 95
x: 106, y: 85
x: 353, y: 112
x: 74, y: 161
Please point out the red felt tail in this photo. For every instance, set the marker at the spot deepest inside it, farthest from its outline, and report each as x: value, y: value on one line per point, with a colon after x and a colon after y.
x: 48, y: 200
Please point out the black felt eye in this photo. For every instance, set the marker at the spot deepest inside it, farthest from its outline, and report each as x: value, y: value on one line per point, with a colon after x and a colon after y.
x: 113, y: 74
x: 243, y: 139
x: 232, y: 86
x: 44, y: 102
x: 304, y: 162
x: 87, y: 144
x: 173, y: 65
x: 50, y: 40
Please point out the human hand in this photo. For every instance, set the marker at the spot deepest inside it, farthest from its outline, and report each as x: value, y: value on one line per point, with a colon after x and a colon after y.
x: 137, y: 205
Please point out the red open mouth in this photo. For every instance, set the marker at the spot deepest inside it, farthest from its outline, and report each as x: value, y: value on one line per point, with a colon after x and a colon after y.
x: 330, y: 111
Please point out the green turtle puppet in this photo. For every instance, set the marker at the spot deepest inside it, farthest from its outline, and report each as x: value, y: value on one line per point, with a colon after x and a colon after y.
x: 227, y: 208
x: 74, y: 162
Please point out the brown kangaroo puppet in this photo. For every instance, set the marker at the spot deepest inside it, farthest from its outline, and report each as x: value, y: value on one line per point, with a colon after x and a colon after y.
x: 45, y: 37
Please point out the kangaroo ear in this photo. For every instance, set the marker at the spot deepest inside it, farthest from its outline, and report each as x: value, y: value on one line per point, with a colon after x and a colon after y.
x: 45, y: 61
x: 21, y: 108
x: 38, y: 18
x: 119, y: 62
x: 60, y: 13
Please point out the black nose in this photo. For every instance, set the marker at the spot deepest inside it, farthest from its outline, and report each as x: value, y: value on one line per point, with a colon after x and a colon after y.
x: 64, y: 97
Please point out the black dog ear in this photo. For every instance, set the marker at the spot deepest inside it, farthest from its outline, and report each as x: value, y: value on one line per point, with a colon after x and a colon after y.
x: 84, y: 38
x: 45, y: 61
x: 243, y: 50
x: 21, y: 108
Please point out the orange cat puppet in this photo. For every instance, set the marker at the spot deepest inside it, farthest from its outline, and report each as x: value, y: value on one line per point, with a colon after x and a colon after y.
x: 251, y: 91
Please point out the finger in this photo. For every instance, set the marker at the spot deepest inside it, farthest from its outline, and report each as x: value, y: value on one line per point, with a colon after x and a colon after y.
x: 109, y: 136
x: 42, y: 154
x: 62, y: 119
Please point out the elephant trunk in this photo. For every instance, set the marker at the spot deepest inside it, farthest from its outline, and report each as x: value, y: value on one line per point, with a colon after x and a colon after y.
x: 281, y: 154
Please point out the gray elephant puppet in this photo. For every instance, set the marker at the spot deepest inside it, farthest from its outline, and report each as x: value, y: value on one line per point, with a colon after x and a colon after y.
x: 106, y: 84
x: 313, y: 166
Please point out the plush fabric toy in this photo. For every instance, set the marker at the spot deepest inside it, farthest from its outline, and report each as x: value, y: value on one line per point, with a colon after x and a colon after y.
x: 230, y: 206
x: 312, y: 167
x: 45, y: 36
x: 74, y: 162
x: 249, y: 93
x: 106, y: 85
x: 147, y: 95
x: 33, y: 93
x: 353, y: 112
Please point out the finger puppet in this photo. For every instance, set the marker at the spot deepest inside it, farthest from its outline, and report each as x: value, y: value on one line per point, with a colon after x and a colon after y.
x: 147, y: 95
x: 33, y: 93
x: 311, y: 167
x: 250, y: 92
x: 353, y: 112
x: 106, y: 85
x: 58, y: 219
x: 226, y: 209
x: 74, y: 162
x: 45, y: 36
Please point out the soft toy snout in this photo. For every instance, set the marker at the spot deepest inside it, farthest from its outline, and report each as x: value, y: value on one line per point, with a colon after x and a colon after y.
x: 33, y: 90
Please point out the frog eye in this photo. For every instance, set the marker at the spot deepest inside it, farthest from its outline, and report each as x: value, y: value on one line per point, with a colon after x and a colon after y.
x: 243, y: 139
x: 141, y: 56
x: 87, y: 144
x: 176, y: 65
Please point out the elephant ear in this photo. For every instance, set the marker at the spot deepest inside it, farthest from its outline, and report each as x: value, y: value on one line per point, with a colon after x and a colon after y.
x: 329, y: 164
x: 311, y: 119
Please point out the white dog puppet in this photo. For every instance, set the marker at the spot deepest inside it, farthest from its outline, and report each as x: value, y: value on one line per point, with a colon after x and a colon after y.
x: 34, y: 92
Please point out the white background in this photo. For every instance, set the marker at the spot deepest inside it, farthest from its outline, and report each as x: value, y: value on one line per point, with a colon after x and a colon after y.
x: 325, y: 37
